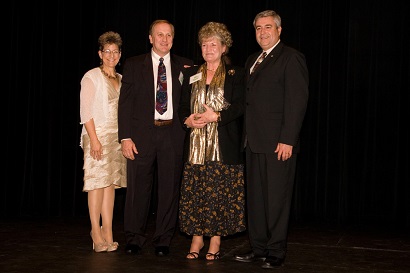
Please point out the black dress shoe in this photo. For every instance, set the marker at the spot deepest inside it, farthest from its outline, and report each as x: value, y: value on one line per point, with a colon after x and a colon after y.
x: 132, y: 249
x: 248, y: 257
x: 161, y: 250
x: 272, y: 262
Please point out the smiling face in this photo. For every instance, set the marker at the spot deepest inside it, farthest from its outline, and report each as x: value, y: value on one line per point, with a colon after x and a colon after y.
x: 161, y: 38
x: 266, y: 32
x: 212, y: 50
x: 110, y: 55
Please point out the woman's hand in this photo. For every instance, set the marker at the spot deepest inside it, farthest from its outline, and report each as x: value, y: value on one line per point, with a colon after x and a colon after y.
x: 209, y: 115
x: 96, y: 151
x: 195, y: 121
x: 200, y: 120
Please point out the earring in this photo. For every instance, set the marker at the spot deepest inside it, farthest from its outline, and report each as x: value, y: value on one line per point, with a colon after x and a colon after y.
x: 101, y: 62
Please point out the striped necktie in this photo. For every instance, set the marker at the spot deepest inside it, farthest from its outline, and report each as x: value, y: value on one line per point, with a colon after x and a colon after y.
x: 161, y: 99
x: 261, y: 58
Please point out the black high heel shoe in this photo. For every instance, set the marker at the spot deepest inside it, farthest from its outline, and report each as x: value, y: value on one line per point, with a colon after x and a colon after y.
x: 213, y: 256
x: 193, y: 255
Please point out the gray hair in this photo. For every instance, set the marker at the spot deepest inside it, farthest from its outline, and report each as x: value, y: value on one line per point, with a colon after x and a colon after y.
x: 268, y: 13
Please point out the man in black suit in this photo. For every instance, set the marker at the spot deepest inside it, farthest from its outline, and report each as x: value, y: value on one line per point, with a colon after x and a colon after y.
x: 275, y: 105
x: 149, y: 137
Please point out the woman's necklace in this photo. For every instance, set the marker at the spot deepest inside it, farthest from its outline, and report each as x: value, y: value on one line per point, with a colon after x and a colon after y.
x: 210, y: 69
x: 108, y: 76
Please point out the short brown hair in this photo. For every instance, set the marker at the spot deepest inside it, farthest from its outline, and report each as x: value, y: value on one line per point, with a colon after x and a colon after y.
x: 161, y: 21
x: 109, y: 37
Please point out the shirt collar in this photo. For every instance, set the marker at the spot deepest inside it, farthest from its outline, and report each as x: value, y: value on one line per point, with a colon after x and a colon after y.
x: 155, y: 57
x: 270, y: 49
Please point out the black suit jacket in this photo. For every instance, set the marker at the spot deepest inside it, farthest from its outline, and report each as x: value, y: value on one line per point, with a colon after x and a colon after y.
x: 276, y: 99
x: 231, y: 124
x: 136, y: 106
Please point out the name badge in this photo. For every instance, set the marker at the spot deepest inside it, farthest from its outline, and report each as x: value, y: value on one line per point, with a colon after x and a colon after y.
x: 195, y: 78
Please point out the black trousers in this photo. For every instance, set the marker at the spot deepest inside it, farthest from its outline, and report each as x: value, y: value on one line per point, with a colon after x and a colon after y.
x: 140, y: 174
x: 269, y: 198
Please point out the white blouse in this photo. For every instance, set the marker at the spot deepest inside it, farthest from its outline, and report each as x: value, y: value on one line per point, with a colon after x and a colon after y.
x: 93, y: 99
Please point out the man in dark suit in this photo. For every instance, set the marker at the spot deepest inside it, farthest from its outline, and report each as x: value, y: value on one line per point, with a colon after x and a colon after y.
x: 152, y: 139
x: 275, y: 105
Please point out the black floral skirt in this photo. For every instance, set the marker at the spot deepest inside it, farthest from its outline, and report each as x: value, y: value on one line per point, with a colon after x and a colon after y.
x: 212, y: 201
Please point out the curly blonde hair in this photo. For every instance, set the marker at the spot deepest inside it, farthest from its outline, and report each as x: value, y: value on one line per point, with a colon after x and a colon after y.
x: 218, y: 30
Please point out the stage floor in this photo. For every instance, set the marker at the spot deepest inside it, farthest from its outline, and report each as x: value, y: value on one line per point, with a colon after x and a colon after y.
x: 64, y: 245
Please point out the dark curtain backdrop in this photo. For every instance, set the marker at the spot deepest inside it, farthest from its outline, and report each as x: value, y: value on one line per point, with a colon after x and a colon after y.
x: 354, y: 165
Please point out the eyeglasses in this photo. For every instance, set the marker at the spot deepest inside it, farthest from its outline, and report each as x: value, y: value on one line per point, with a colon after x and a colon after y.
x: 108, y: 52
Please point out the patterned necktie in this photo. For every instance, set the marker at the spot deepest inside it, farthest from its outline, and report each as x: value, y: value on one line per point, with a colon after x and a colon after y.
x: 161, y: 100
x: 261, y: 58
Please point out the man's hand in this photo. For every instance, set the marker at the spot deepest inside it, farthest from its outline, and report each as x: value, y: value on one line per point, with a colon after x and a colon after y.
x: 128, y: 149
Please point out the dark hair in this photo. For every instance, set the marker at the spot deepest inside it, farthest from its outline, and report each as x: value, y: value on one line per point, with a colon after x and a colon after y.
x: 109, y: 37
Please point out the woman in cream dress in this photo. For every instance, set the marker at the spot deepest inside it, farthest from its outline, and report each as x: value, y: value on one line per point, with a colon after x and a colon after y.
x: 104, y: 164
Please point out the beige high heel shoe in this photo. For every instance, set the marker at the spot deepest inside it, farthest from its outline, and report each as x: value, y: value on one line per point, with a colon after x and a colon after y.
x: 111, y: 246
x: 103, y: 247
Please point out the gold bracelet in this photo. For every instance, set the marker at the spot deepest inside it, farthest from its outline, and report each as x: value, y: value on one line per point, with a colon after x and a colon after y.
x: 218, y: 119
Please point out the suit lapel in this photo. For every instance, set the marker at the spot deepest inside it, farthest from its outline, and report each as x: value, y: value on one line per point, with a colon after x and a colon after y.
x: 251, y: 62
x: 175, y: 70
x: 148, y: 76
x: 270, y: 59
x: 272, y: 56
